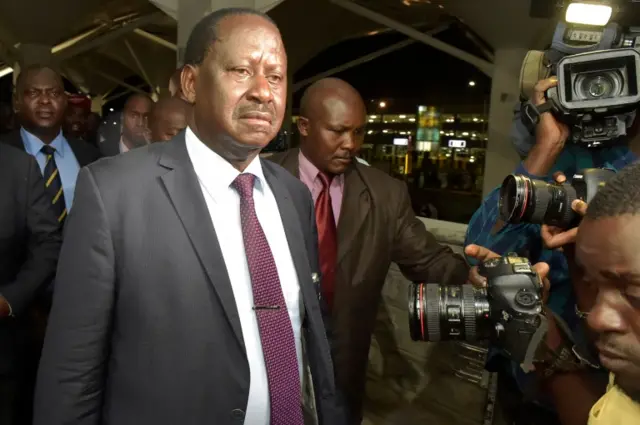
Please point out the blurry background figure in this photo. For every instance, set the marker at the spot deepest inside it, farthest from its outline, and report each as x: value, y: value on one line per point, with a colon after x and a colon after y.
x: 174, y: 85
x: 134, y: 132
x: 93, y: 124
x: 7, y: 118
x: 76, y: 117
x: 168, y: 117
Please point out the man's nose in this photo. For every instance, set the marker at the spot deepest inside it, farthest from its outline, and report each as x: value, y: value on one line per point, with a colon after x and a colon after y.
x: 261, y: 90
x: 604, y: 316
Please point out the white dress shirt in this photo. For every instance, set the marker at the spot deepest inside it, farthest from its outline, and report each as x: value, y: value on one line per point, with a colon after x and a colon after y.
x: 216, y: 175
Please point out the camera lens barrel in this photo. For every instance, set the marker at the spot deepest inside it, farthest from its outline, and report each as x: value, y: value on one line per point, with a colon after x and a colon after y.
x: 443, y: 313
x: 526, y: 200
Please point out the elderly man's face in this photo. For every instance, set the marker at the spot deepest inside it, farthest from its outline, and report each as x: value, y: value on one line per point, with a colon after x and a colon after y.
x: 240, y: 89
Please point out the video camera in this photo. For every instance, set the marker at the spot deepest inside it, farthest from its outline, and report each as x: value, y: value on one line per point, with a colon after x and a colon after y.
x: 507, y: 312
x: 598, y: 69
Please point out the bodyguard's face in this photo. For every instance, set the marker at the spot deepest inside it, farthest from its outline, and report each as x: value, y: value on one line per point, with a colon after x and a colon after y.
x: 334, y: 134
x: 240, y: 89
x: 42, y: 102
x: 608, y: 258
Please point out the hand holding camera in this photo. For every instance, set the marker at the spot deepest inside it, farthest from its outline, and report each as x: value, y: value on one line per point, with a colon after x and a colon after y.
x: 555, y: 237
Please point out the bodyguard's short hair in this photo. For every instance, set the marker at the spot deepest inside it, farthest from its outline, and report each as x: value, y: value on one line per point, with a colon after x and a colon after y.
x: 24, y: 73
x: 620, y: 196
x: 205, y: 33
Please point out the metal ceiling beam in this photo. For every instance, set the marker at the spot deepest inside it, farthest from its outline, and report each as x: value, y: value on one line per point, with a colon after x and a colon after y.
x: 95, y: 43
x: 138, y: 63
x: 158, y: 40
x: 407, y: 30
x: 366, y: 58
x: 117, y: 81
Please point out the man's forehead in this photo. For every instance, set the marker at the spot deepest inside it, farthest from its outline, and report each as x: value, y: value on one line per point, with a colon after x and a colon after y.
x: 42, y: 78
x: 139, y: 105
x: 249, y: 30
x: 609, y: 243
x: 336, y: 105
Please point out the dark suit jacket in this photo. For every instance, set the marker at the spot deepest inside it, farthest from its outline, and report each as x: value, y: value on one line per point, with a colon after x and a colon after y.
x: 144, y: 327
x: 84, y: 152
x: 29, y: 242
x: 109, y: 147
x: 376, y: 226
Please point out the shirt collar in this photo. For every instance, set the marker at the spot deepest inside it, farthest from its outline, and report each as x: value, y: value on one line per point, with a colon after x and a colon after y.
x: 215, y: 172
x: 33, y: 143
x: 309, y: 172
x: 123, y: 146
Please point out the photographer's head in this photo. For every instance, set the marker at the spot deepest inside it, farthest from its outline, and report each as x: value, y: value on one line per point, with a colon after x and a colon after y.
x: 608, y: 258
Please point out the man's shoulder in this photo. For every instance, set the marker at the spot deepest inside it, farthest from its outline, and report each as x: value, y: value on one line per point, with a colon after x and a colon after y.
x: 127, y: 167
x: 283, y: 176
x: 13, y: 157
x: 378, y: 181
x: 281, y: 158
x: 84, y: 149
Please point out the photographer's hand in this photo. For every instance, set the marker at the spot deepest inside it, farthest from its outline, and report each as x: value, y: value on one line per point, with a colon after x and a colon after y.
x: 550, y: 134
x: 556, y: 237
x: 481, y: 254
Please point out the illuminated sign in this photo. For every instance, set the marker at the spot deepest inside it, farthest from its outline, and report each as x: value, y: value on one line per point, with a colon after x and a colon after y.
x: 457, y: 143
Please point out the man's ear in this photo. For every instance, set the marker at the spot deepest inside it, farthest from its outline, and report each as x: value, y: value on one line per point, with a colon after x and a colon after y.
x: 188, y: 78
x: 303, y: 126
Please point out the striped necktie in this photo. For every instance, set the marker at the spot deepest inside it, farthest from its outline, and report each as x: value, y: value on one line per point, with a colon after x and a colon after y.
x: 54, y: 183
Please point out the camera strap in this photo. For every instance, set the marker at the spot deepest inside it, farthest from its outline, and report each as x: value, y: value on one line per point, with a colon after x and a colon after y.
x: 530, y: 113
x: 568, y: 355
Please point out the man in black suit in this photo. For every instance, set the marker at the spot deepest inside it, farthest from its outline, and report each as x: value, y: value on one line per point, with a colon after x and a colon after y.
x: 133, y: 125
x: 187, y: 286
x: 40, y: 105
x: 29, y: 246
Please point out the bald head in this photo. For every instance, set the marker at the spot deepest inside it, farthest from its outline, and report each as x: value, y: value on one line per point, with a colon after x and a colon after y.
x: 317, y: 94
x: 168, y: 118
x: 331, y: 124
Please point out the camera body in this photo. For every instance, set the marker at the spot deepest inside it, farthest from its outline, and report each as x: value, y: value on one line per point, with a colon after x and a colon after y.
x: 507, y: 312
x: 598, y: 71
x: 523, y: 199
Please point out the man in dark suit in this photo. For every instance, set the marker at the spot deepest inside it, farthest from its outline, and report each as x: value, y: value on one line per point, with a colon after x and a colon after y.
x: 40, y: 105
x: 29, y: 246
x: 186, y: 290
x: 375, y: 226
x: 134, y: 127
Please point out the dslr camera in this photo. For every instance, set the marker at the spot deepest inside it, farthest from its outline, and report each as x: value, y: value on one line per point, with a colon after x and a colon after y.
x: 523, y: 199
x: 598, y: 71
x: 508, y: 312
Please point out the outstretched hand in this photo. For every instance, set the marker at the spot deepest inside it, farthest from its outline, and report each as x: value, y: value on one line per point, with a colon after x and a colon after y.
x: 482, y: 254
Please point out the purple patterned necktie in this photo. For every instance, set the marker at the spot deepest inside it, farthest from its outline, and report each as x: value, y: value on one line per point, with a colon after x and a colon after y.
x: 276, y: 332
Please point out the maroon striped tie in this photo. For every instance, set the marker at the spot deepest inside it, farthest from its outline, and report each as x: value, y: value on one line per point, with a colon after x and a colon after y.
x: 276, y: 331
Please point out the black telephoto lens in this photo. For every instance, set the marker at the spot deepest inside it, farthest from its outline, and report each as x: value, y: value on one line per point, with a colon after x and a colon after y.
x: 535, y: 201
x: 443, y: 313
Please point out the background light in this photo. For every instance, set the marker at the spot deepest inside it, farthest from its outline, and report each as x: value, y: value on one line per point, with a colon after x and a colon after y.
x: 472, y: 83
x: 588, y: 14
x: 382, y: 104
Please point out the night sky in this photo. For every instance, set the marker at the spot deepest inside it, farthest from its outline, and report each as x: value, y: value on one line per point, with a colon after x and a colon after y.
x: 417, y: 74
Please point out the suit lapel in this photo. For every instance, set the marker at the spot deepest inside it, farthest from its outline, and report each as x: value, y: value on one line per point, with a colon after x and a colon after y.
x: 183, y: 187
x: 356, y: 204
